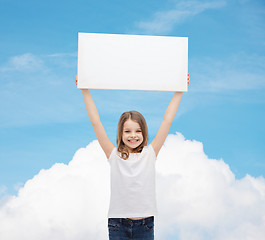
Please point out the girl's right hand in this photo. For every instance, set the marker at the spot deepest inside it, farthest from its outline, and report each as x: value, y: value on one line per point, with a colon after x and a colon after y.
x: 76, y: 80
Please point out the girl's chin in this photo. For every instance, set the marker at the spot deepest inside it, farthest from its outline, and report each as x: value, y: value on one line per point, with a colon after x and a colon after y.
x: 133, y: 145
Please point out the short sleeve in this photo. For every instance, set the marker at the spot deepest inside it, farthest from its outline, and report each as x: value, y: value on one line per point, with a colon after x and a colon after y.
x: 152, y: 151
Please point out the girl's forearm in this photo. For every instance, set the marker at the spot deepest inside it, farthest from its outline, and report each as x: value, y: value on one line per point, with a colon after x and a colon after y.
x: 173, y: 107
x: 90, y: 107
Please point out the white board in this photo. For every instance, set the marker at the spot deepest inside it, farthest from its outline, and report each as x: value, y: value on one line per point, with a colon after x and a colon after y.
x: 132, y: 62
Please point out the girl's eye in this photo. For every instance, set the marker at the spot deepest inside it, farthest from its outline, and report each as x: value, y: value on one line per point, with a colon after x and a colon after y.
x: 127, y: 131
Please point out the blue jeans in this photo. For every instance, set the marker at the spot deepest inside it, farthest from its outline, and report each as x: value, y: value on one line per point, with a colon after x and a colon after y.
x: 125, y: 228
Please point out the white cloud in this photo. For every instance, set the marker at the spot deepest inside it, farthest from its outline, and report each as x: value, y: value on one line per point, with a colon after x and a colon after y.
x: 28, y: 62
x: 163, y: 21
x: 3, y: 189
x: 61, y: 60
x: 25, y: 62
x: 63, y: 202
x: 43, y: 85
x: 239, y: 71
x: 202, y: 198
x: 62, y: 55
x: 198, y: 198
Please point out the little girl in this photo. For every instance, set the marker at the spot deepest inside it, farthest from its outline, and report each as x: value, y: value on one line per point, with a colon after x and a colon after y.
x: 133, y: 200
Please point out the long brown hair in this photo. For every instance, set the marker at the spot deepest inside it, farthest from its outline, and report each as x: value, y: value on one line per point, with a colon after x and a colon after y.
x: 137, y: 117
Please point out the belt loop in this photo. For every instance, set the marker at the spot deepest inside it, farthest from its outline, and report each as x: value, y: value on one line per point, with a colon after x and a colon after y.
x: 144, y: 221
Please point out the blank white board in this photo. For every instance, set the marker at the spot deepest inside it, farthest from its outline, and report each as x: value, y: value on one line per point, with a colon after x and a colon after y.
x: 132, y: 62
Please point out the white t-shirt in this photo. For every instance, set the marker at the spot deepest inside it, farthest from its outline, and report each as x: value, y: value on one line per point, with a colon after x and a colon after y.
x: 133, y: 191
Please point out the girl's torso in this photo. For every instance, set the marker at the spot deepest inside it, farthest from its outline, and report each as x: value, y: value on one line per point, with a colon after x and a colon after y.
x: 133, y: 181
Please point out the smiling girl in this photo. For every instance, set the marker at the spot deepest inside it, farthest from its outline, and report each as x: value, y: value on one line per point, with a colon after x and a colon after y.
x: 133, y: 199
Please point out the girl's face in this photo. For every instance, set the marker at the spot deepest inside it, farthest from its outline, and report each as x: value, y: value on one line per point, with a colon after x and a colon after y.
x: 132, y: 134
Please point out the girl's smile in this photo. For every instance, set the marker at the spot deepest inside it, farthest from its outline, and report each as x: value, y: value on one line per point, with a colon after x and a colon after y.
x: 132, y: 134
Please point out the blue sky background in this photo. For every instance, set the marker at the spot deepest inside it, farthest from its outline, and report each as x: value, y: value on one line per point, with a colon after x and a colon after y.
x: 43, y: 118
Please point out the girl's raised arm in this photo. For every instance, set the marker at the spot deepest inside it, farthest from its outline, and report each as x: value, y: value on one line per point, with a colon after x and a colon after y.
x: 93, y: 115
x: 170, y: 113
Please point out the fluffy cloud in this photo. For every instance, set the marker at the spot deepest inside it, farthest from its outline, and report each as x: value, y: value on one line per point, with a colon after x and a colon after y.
x: 25, y: 62
x: 164, y: 21
x: 240, y: 71
x: 35, y: 76
x: 63, y: 202
x: 29, y: 62
x: 201, y: 199
x: 198, y: 198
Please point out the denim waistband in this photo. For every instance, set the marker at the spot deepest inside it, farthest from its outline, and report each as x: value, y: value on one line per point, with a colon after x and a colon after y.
x: 128, y: 220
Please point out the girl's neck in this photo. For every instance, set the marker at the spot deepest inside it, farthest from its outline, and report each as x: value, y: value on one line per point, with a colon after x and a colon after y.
x: 132, y: 151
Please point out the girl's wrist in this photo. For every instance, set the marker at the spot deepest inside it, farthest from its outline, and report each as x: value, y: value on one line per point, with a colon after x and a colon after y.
x: 84, y: 90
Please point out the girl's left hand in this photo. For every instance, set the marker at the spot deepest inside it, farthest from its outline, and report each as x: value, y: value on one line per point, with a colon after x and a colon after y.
x: 188, y: 79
